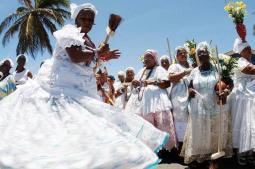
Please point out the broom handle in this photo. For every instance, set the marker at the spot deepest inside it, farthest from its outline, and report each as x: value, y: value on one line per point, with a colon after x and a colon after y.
x: 106, y: 39
x: 220, y: 90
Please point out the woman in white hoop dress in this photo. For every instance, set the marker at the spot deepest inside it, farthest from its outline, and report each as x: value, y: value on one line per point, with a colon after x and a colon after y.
x: 56, y: 121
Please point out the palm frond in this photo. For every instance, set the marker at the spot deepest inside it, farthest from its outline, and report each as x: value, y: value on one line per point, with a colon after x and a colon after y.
x: 12, y: 30
x: 52, y: 3
x: 50, y: 14
x: 42, y: 36
x: 64, y: 13
x: 8, y: 20
x: 48, y: 24
x: 27, y: 3
x: 21, y: 10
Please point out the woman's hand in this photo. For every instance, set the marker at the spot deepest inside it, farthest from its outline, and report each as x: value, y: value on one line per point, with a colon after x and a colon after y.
x: 113, y: 54
x: 223, y: 95
x: 103, y: 49
x: 192, y: 93
x: 136, y: 83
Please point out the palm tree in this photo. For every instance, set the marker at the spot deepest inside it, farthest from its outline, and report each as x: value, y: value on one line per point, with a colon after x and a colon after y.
x: 32, y: 21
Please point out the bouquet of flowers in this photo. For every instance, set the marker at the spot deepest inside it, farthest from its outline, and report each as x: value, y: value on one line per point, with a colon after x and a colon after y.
x: 227, y: 67
x: 191, y: 46
x: 237, y: 11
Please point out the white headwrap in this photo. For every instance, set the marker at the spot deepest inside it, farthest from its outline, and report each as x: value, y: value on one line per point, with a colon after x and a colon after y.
x: 153, y: 53
x: 75, y: 9
x: 203, y: 46
x: 239, y: 45
x: 121, y: 73
x: 130, y: 68
x: 164, y: 57
x: 179, y: 48
x: 9, y: 59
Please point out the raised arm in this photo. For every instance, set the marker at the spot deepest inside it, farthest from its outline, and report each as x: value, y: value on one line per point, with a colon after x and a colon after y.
x: 77, y: 55
x: 176, y: 77
x: 249, y: 69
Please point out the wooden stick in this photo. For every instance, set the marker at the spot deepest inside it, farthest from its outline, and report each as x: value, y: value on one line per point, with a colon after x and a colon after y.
x: 169, y: 50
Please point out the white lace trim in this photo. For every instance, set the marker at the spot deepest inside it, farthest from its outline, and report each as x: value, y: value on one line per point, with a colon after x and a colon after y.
x: 69, y: 36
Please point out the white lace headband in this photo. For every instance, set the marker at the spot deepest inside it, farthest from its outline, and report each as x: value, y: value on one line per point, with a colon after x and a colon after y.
x: 75, y: 9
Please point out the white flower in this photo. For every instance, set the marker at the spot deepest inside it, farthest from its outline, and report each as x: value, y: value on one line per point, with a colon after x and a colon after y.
x: 224, y: 67
x: 224, y: 57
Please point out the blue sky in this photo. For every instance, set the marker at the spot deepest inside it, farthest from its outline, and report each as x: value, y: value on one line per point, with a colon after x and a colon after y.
x: 147, y: 24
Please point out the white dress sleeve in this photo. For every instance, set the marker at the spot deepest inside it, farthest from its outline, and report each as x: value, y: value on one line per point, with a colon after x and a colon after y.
x: 69, y: 36
x: 161, y: 74
x: 173, y: 68
x: 242, y: 63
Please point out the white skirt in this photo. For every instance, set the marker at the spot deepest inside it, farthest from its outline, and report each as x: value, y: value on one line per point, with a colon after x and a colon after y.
x: 45, y: 129
x: 243, y: 120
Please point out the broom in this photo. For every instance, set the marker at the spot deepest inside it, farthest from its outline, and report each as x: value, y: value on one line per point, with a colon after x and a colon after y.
x: 220, y: 153
x: 113, y: 24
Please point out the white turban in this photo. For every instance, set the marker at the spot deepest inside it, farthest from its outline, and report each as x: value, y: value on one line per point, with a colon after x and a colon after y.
x: 239, y: 45
x: 181, y: 48
x: 130, y: 69
x: 75, y: 9
x: 164, y: 57
x: 121, y: 73
x: 203, y: 46
x: 153, y: 53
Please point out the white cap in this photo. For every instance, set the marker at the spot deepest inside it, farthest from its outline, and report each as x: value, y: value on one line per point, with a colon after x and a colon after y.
x: 130, y: 68
x: 239, y: 45
x: 164, y: 57
x: 75, y: 9
x: 181, y: 47
x: 121, y: 73
x: 203, y: 46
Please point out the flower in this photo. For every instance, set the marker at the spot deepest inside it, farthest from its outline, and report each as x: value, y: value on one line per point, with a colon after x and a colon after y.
x: 236, y: 11
x: 191, y: 45
x: 227, y: 8
x: 193, y: 51
x: 225, y: 58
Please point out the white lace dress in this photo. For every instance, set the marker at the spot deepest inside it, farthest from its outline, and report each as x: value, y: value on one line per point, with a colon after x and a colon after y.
x: 179, y: 98
x: 243, y: 109
x: 56, y: 121
x: 152, y: 103
x: 201, y: 137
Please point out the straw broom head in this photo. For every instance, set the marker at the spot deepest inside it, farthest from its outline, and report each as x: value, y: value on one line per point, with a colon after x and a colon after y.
x: 114, y: 22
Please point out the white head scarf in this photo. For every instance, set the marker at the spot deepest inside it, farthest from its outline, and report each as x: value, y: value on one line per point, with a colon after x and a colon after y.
x: 130, y: 69
x: 9, y: 59
x: 239, y: 45
x: 121, y: 73
x: 203, y: 46
x: 181, y: 48
x: 75, y: 9
x: 164, y: 57
x: 153, y: 53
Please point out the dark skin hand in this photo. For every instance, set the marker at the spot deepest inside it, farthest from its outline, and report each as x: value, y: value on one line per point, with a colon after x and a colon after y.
x: 85, y: 20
